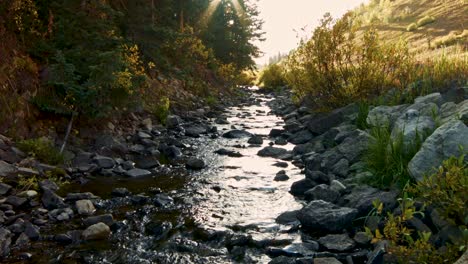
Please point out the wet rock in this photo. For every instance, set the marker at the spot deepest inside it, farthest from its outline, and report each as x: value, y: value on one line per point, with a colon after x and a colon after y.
x: 107, y: 219
x: 275, y: 132
x: 158, y: 230
x: 104, y: 162
x: 63, y: 214
x: 85, y: 207
x: 362, y: 238
x: 28, y: 194
x: 317, y: 176
x: 281, y: 176
x: 444, y: 143
x: 281, y: 141
x: 221, y: 121
x: 51, y: 200
x: 301, y: 137
x: 283, y: 260
x: 162, y: 200
x: 80, y: 196
x: 272, y: 152
x: 341, y: 242
x: 281, y: 164
x: 4, y: 189
x: 25, y: 256
x: 362, y: 197
x: 97, y: 231
x: 322, y: 216
x: 195, y: 164
x: 255, y: 140
x: 173, y: 121
x: 120, y: 192
x: 16, y: 201
x: 326, y: 260
x: 6, y: 169
x: 195, y: 131
x: 300, y: 187
x: 236, y: 133
x: 229, y: 153
x: 287, y: 217
x: 22, y: 241
x: 322, y: 192
x: 135, y: 173
x: 5, y: 241
x: 32, y: 231
x: 146, y: 162
x: 172, y: 152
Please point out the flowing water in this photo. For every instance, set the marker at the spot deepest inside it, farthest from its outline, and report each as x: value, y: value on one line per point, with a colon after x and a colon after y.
x: 231, y: 196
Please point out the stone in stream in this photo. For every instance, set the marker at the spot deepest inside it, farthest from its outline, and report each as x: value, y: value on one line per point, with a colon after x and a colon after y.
x: 5, y: 241
x: 281, y: 141
x: 120, y: 192
x: 135, y: 173
x: 4, y: 188
x: 281, y: 176
x: 104, y: 162
x: 229, y: 153
x: 276, y: 132
x: 107, y: 219
x: 146, y: 162
x: 255, y: 140
x: 341, y: 242
x: 221, y: 120
x: 301, y: 186
x: 80, y: 196
x: 195, y: 164
x: 287, y: 217
x: 85, y: 207
x: 195, y: 131
x: 97, y: 231
x: 323, y: 216
x: 301, y: 137
x: 173, y: 121
x: 51, y: 200
x: 322, y: 192
x: 271, y: 152
x: 281, y: 164
x: 158, y: 230
x: 236, y: 133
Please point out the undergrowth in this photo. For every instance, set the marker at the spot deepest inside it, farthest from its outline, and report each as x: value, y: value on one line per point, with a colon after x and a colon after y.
x: 42, y: 149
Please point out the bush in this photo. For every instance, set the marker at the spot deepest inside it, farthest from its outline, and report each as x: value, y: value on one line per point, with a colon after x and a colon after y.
x: 452, y: 39
x: 161, y: 109
x: 425, y: 21
x: 335, y: 68
x: 412, y: 27
x: 272, y: 77
x: 42, y: 149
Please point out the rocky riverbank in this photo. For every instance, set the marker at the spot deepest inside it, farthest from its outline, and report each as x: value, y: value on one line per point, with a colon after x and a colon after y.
x: 207, y: 186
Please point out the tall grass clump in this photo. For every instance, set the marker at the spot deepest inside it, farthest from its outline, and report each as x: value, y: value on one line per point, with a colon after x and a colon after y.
x: 363, y: 112
x: 412, y: 27
x: 42, y: 149
x: 387, y: 157
x: 425, y: 21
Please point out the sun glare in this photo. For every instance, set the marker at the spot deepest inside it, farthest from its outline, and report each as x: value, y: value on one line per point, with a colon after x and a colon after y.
x: 214, y: 5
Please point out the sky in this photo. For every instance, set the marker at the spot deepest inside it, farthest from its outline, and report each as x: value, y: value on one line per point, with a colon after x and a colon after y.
x: 282, y: 17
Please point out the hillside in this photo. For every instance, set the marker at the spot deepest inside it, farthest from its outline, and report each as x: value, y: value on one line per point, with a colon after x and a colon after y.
x: 393, y: 18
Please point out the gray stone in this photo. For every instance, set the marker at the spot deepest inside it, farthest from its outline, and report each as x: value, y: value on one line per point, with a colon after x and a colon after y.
x: 27, y: 172
x: 287, y: 217
x: 362, y: 238
x: 221, y: 120
x: 326, y: 260
x: 6, y: 169
x: 4, y: 188
x: 135, y: 173
x: 301, y: 186
x: 321, y: 192
x: 322, y: 216
x: 410, y: 125
x: 281, y: 141
x: 444, y: 143
x: 120, y: 192
x: 337, y: 186
x: 146, y: 162
x: 324, y: 122
x: 341, y: 242
x: 104, y: 162
x: 195, y: 131
x: 32, y: 231
x: 317, y: 176
x: 353, y: 148
x: 5, y: 241
x: 272, y: 152
x: 384, y: 115
x: 255, y: 140
x: 51, y: 200
x: 80, y: 196
x: 97, y: 231
x: 85, y: 207
x: 229, y: 153
x: 62, y: 214
x: 92, y: 220
x: 236, y: 133
x: 435, y: 98
x: 301, y: 137
x: 276, y: 132
x: 363, y: 196
x: 173, y: 121
x: 143, y: 135
x: 341, y: 168
x: 195, y: 164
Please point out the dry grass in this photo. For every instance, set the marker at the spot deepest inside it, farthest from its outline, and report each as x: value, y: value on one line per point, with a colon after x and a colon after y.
x: 394, y: 20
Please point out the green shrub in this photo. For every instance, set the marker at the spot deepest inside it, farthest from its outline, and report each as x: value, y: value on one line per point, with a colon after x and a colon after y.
x: 211, y: 100
x: 361, y: 119
x: 387, y: 159
x: 447, y: 190
x: 412, y: 27
x: 161, y: 109
x: 272, y: 77
x: 42, y: 149
x: 425, y: 21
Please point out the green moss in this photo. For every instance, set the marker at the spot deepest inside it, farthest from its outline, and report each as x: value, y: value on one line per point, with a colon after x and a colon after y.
x: 42, y: 149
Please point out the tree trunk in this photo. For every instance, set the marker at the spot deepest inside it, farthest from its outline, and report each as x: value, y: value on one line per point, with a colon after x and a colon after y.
x: 67, y: 134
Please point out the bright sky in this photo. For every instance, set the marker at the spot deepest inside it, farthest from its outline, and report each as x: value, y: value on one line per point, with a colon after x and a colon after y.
x: 282, y: 17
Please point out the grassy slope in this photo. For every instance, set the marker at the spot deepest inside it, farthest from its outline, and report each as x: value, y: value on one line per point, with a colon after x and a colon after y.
x: 392, y: 18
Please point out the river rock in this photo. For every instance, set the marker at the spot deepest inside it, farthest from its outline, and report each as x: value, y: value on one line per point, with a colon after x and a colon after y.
x: 411, y: 124
x: 361, y: 198
x: 281, y: 176
x: 301, y: 137
x: 444, y: 143
x: 80, y: 196
x: 104, y: 162
x: 236, y: 133
x: 195, y: 164
x: 85, y: 207
x: 4, y: 188
x: 221, y: 120
x: 272, y: 152
x: 276, y: 132
x: 158, y: 230
x: 51, y: 200
x: 323, y: 216
x: 48, y: 184
x: 107, y: 219
x: 287, y: 217
x: 326, y: 260
x: 97, y: 231
x: 255, y: 140
x: 6, y: 169
x: 173, y: 121
x: 229, y: 153
x: 31, y: 231
x: 16, y: 201
x: 135, y: 173
x: 5, y: 241
x: 384, y: 115
x: 146, y: 162
x: 300, y: 187
x: 172, y: 152
x: 341, y: 242
x: 321, y: 192
x: 120, y: 192
x: 195, y: 131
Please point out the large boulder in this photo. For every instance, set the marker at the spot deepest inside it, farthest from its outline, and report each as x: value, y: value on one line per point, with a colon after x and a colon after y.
x: 272, y: 152
x: 5, y: 241
x: 51, y: 200
x: 301, y: 137
x: 237, y: 133
x: 6, y: 168
x: 361, y: 198
x: 339, y: 242
x: 323, y: 216
x: 411, y: 125
x: 447, y: 141
x: 384, y: 115
x: 97, y: 231
x: 195, y: 131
